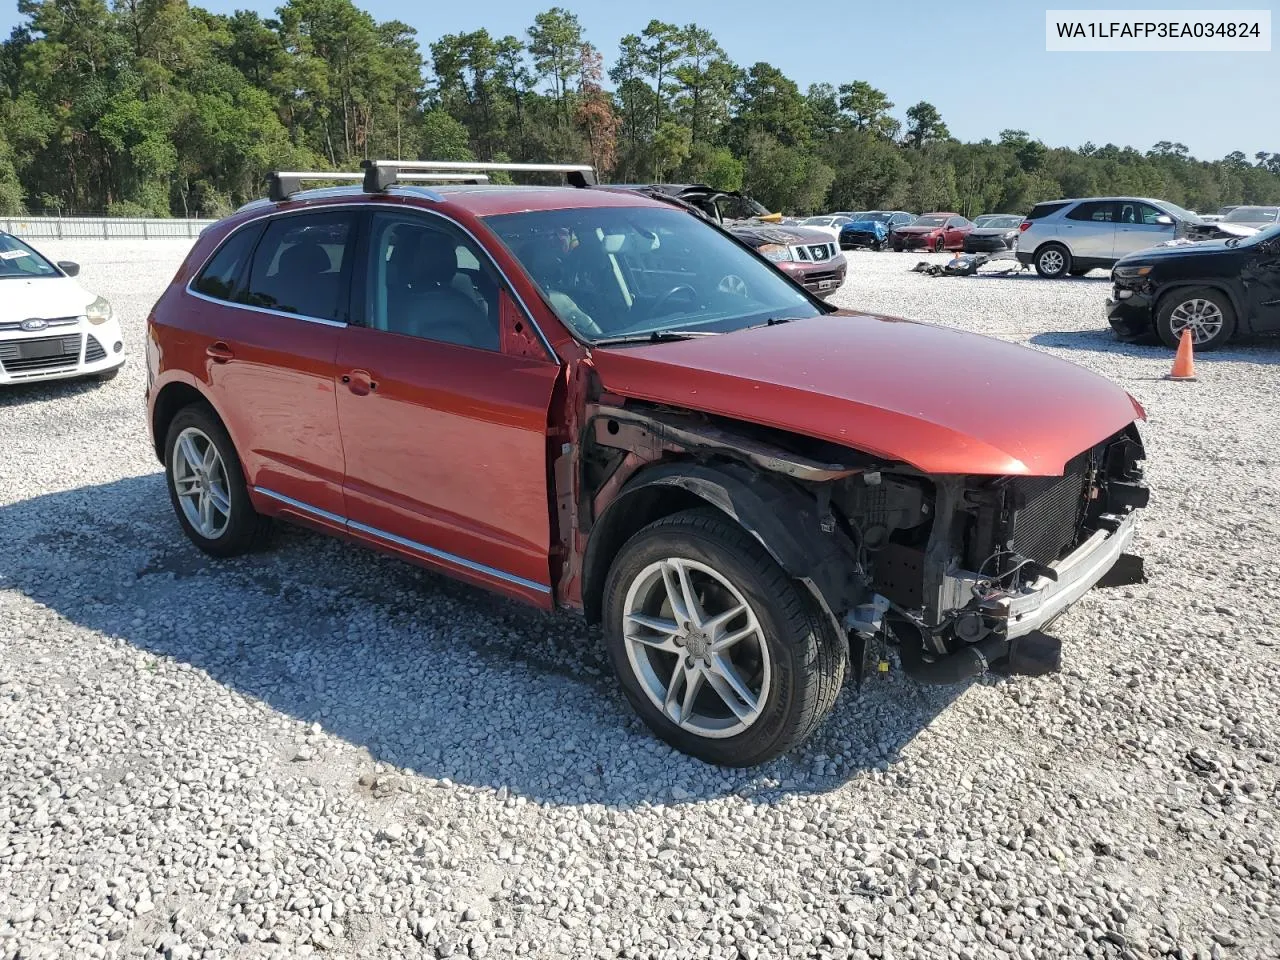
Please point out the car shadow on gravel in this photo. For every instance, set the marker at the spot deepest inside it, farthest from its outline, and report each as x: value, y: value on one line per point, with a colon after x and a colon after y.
x: 16, y: 394
x: 1258, y: 349
x: 421, y: 671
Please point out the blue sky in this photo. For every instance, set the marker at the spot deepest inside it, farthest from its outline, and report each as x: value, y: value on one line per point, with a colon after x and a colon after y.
x: 983, y: 65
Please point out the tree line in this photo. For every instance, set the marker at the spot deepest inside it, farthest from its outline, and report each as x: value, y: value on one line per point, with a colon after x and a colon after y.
x: 159, y: 108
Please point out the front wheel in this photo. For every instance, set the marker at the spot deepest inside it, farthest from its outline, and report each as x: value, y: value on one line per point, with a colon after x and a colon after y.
x: 939, y: 245
x: 1207, y: 313
x: 207, y: 487
x: 716, y: 648
x: 876, y: 245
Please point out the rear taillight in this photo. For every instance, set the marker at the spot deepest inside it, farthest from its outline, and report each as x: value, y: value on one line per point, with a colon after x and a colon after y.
x: 1024, y: 225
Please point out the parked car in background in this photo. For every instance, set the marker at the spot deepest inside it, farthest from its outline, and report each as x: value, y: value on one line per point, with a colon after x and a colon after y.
x: 1259, y: 217
x: 809, y: 255
x: 1061, y: 237
x: 871, y: 228
x: 830, y: 224
x: 591, y: 399
x: 932, y: 231
x: 993, y: 232
x: 1215, y: 289
x: 51, y: 328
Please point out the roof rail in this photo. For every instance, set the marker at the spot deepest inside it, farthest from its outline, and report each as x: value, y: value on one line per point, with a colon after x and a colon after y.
x: 287, y: 183
x: 381, y: 174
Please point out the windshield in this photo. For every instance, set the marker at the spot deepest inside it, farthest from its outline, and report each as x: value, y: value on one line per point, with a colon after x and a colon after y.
x: 619, y: 271
x: 928, y: 221
x: 819, y: 221
x: 1180, y: 213
x: 1253, y: 215
x: 997, y: 221
x: 19, y: 260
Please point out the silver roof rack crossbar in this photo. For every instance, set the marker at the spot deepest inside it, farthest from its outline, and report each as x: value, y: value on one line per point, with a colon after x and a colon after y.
x: 381, y: 174
x: 286, y: 183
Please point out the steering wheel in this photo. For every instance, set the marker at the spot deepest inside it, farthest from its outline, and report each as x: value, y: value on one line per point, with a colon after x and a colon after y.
x: 733, y: 284
x: 656, y: 309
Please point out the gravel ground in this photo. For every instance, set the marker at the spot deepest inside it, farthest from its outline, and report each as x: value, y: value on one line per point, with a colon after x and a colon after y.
x: 318, y: 750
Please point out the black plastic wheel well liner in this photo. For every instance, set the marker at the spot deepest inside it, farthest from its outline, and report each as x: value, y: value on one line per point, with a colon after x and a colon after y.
x: 779, y: 513
x: 172, y: 399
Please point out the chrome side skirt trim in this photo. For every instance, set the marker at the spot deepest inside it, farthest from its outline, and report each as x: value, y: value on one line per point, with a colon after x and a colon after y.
x: 413, y: 545
x: 299, y: 505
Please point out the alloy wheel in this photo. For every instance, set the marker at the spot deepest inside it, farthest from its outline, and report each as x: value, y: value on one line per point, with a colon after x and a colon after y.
x: 1052, y: 261
x: 1202, y: 317
x: 696, y: 647
x: 200, y: 481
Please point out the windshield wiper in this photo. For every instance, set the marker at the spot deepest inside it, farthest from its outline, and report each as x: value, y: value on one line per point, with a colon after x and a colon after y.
x: 653, y: 336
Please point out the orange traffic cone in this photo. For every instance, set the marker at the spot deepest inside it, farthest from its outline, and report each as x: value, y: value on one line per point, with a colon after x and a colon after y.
x: 1184, y: 364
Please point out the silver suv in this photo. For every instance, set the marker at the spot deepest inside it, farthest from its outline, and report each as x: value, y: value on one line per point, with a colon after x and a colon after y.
x: 1063, y: 237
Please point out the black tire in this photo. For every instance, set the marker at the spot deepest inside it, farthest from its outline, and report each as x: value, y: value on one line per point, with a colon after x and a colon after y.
x: 939, y: 245
x: 106, y: 376
x: 808, y: 658
x: 898, y: 248
x: 1170, y: 303
x: 1052, y: 267
x: 246, y: 529
x: 877, y: 246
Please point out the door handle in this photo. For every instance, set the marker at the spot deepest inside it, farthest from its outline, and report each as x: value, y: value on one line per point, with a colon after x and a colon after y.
x: 219, y: 352
x: 360, y: 382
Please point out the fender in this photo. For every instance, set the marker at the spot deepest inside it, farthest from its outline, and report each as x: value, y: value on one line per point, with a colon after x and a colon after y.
x: 180, y: 378
x: 817, y: 554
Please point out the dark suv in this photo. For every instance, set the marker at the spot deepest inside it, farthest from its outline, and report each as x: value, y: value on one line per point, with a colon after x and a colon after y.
x: 1214, y: 289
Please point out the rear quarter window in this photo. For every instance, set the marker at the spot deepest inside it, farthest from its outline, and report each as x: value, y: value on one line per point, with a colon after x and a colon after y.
x: 223, y: 276
x: 1041, y: 210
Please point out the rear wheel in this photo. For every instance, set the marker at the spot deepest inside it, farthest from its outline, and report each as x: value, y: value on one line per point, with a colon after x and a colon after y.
x: 716, y: 648
x: 1207, y: 313
x: 207, y: 487
x: 1052, y: 261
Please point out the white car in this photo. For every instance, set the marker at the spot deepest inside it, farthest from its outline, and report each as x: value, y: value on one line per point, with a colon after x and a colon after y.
x: 52, y: 328
x: 829, y: 224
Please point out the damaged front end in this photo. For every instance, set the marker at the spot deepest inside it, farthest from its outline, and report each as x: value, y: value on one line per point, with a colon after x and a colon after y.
x: 963, y: 572
x: 1004, y: 558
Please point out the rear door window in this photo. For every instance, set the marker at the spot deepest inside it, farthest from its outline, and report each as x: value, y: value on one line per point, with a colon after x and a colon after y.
x: 303, y: 266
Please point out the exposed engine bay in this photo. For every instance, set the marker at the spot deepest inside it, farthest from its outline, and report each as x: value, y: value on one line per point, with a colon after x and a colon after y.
x: 963, y: 572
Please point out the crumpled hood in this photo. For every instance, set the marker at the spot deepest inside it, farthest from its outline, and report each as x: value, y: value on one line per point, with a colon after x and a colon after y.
x: 787, y: 236
x: 942, y: 400
x: 44, y: 297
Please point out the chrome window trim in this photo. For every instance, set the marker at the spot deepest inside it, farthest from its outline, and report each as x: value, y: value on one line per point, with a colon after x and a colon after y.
x: 413, y: 545
x: 267, y: 214
x: 267, y: 310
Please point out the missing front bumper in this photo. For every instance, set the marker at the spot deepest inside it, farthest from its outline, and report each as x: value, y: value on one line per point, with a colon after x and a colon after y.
x: 1039, y: 603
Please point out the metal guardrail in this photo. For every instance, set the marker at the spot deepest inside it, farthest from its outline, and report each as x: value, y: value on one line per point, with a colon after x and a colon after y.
x: 101, y: 228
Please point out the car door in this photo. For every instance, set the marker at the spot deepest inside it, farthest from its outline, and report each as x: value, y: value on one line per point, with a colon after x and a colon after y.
x: 957, y: 227
x: 272, y: 302
x: 1089, y: 230
x: 443, y: 402
x: 1260, y: 276
x: 1139, y: 226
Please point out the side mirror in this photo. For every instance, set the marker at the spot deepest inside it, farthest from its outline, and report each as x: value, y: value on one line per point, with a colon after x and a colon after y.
x: 69, y: 267
x: 1164, y: 220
